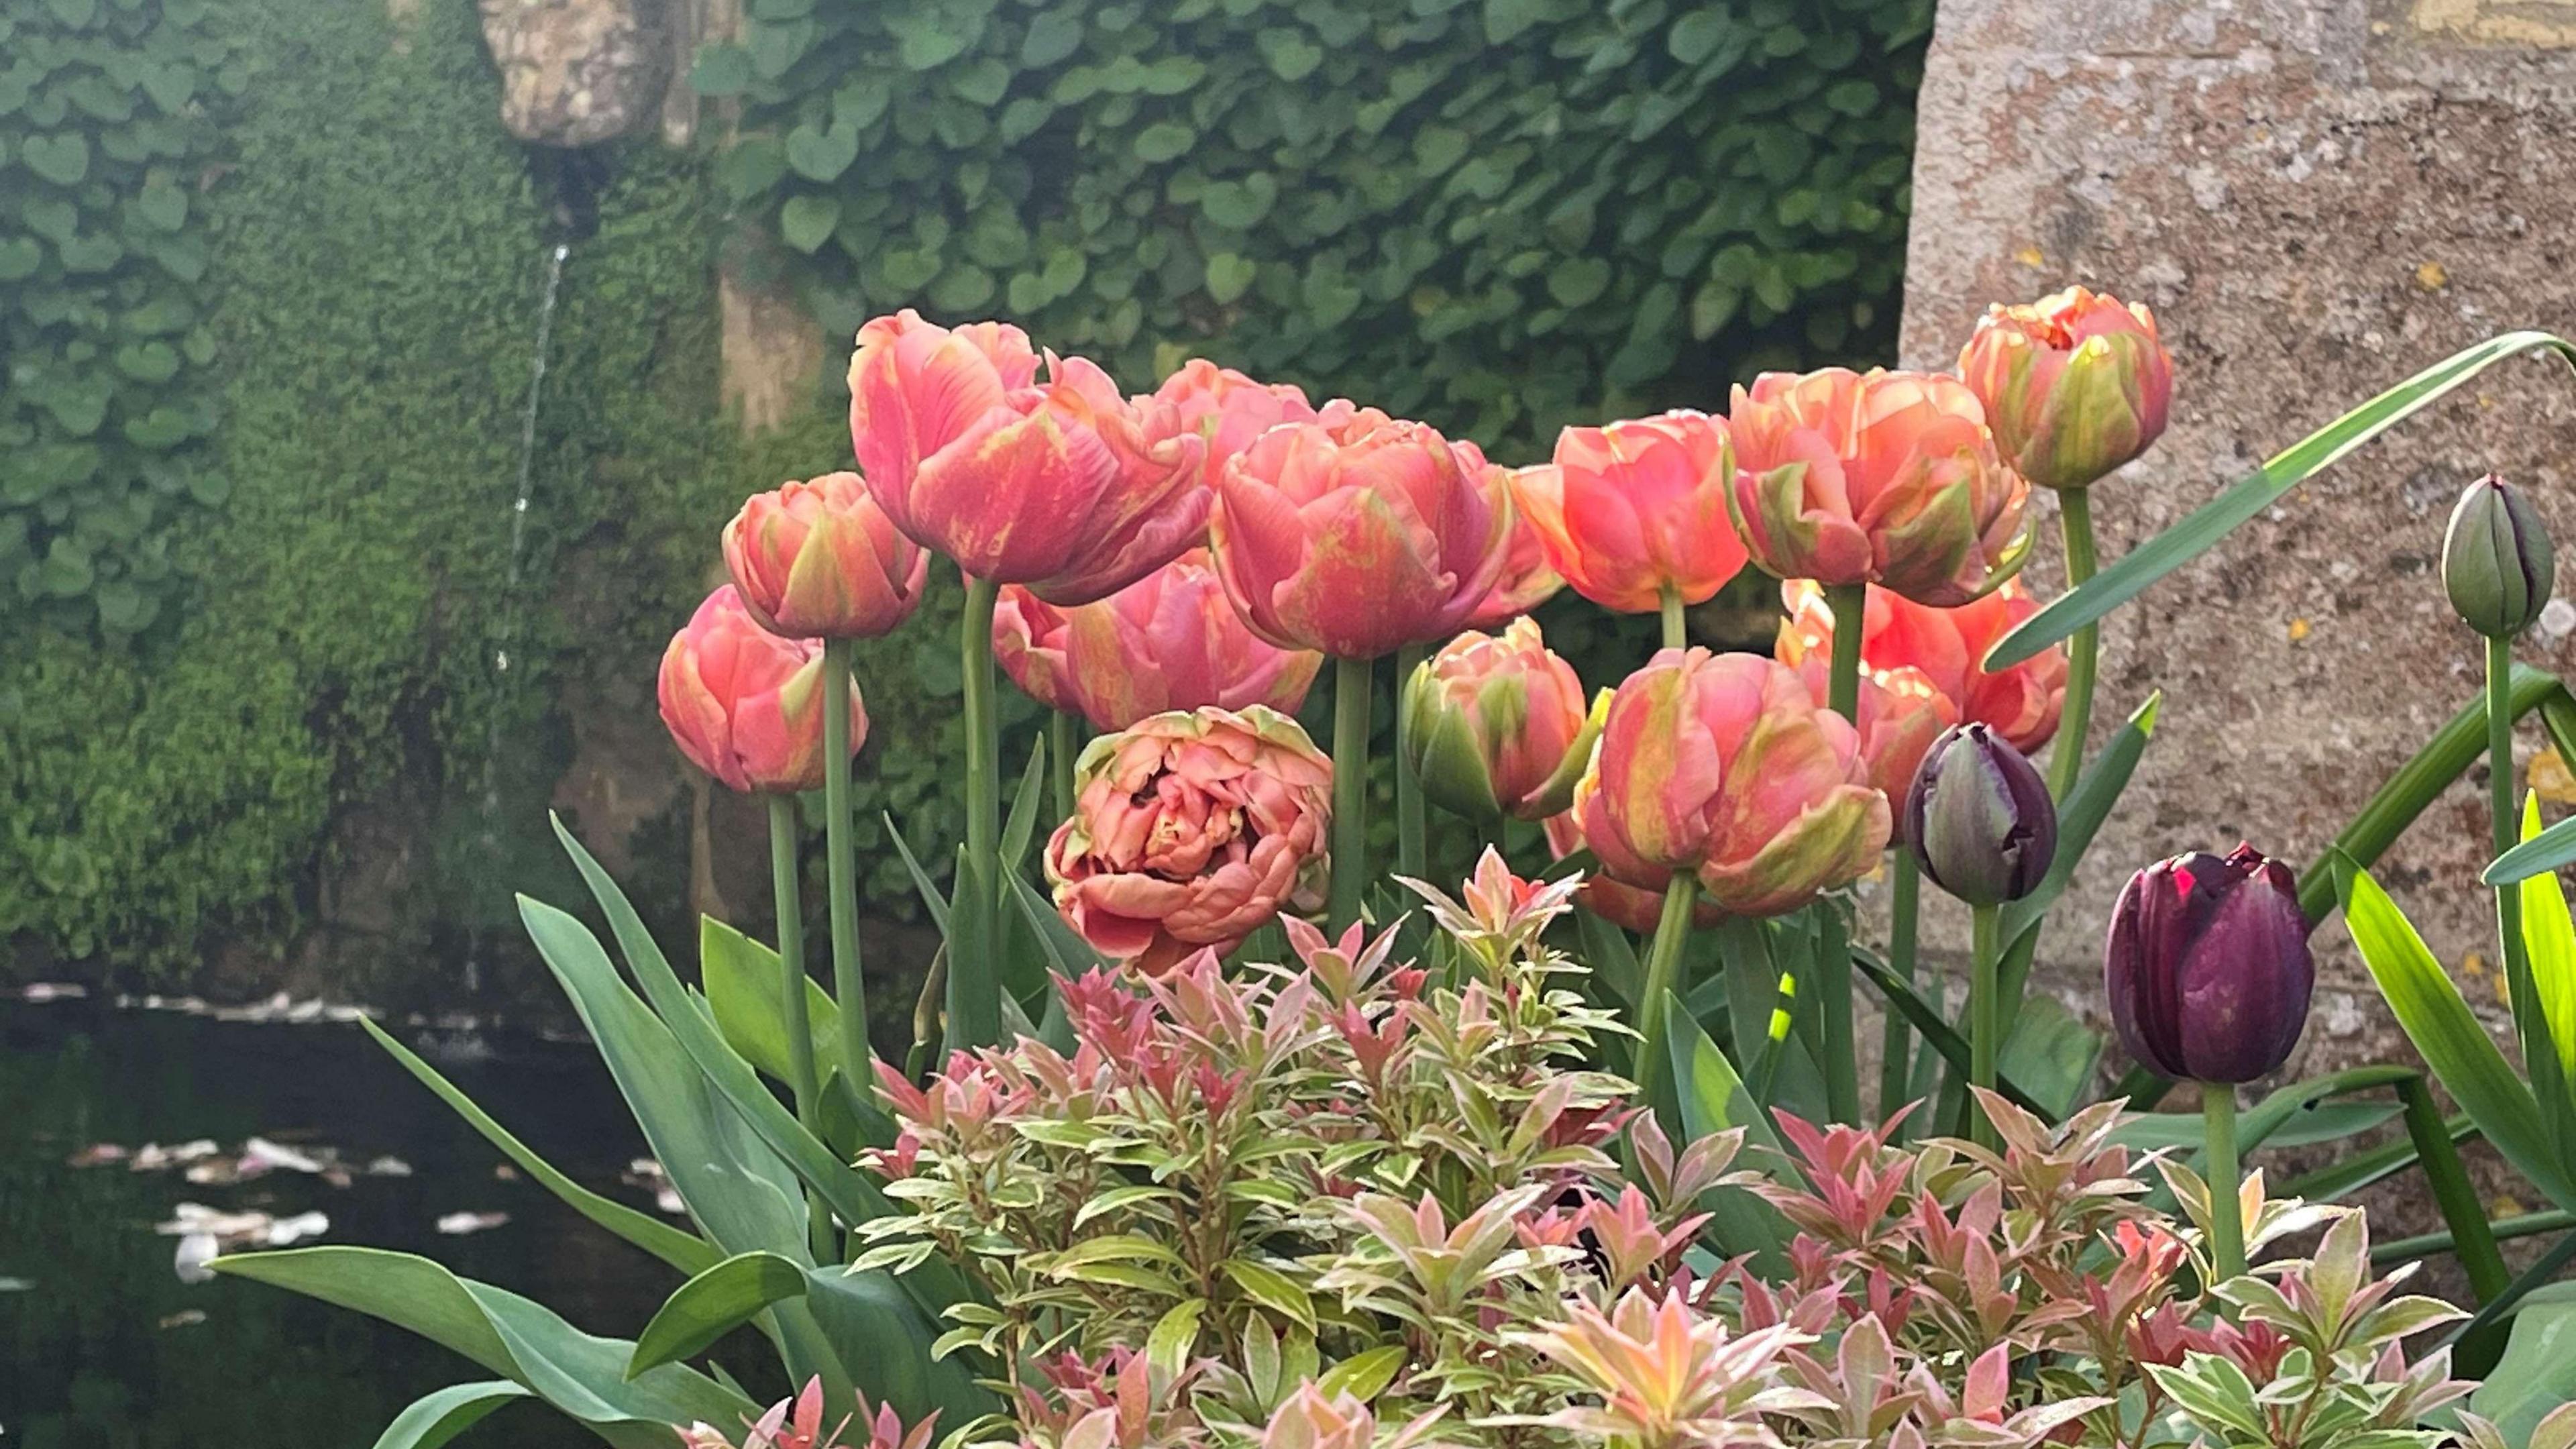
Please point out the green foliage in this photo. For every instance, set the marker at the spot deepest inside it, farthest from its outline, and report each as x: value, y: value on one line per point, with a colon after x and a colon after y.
x: 1502, y: 217
x: 372, y: 299
x: 107, y: 112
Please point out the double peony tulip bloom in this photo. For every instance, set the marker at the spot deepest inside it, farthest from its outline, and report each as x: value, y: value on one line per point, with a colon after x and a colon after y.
x: 1168, y: 641
x: 1904, y: 645
x: 1886, y: 478
x: 820, y: 560
x: 1228, y: 408
x: 1360, y: 535
x: 746, y: 705
x: 1495, y: 726
x: 2207, y: 966
x: 1638, y: 907
x: 1190, y: 830
x: 1064, y: 486
x: 2073, y: 385
x: 1632, y: 509
x: 1726, y: 766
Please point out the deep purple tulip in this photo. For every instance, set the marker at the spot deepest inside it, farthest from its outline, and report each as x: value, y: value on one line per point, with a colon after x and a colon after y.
x: 1979, y: 819
x: 2207, y: 967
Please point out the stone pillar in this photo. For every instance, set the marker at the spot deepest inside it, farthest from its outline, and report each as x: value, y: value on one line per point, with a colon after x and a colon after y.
x: 2318, y: 197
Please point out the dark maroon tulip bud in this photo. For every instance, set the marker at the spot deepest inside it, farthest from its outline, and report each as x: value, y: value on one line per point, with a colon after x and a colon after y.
x: 2207, y: 967
x: 1979, y: 819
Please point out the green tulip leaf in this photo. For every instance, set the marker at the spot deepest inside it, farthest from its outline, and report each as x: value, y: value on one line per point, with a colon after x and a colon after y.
x: 434, y: 1418
x: 2538, y: 1371
x: 713, y: 1304
x: 2450, y: 1037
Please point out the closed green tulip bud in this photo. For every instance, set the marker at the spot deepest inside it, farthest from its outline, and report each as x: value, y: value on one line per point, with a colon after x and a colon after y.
x: 1494, y: 725
x: 2497, y: 564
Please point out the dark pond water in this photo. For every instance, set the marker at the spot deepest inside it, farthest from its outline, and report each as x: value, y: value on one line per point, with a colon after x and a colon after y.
x: 103, y: 1347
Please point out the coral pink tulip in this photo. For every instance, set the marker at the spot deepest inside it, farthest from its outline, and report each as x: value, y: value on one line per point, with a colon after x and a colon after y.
x: 1171, y: 640
x: 1189, y: 832
x: 1359, y: 536
x: 2074, y: 384
x: 1064, y: 486
x: 746, y: 705
x: 1230, y: 409
x: 1942, y: 648
x: 1632, y: 509
x: 1028, y: 642
x: 1888, y: 478
x: 1638, y: 907
x: 1495, y: 725
x: 820, y: 560
x: 1528, y: 579
x: 1725, y: 765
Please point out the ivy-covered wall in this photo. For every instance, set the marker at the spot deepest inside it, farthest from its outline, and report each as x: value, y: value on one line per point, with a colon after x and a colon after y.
x: 1498, y: 214
x: 370, y: 314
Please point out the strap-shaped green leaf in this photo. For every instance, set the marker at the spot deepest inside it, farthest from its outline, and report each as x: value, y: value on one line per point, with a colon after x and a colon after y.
x: 442, y: 1414
x: 525, y: 1342
x: 2546, y: 1024
x: 931, y: 899
x: 1936, y: 1033
x: 1712, y: 1098
x: 2450, y: 1036
x: 2538, y: 1370
x: 2458, y: 744
x: 2249, y: 497
x: 681, y: 1250
x: 713, y: 1304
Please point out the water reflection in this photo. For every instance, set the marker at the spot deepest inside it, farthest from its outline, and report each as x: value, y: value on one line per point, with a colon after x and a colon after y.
x: 103, y: 1347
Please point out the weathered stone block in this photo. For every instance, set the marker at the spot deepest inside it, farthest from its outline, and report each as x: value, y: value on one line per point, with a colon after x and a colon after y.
x: 577, y: 72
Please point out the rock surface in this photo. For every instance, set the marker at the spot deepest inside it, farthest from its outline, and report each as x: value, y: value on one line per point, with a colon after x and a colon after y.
x: 577, y: 72
x: 2318, y: 199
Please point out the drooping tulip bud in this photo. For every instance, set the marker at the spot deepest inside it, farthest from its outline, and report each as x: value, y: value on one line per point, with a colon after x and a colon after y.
x: 2074, y: 384
x: 820, y: 560
x: 1495, y: 726
x: 1979, y: 819
x: 2497, y: 563
x: 746, y: 705
x: 1887, y: 478
x: 1725, y: 766
x: 2207, y: 966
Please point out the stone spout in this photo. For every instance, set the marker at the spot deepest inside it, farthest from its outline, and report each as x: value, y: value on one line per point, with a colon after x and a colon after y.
x: 577, y: 72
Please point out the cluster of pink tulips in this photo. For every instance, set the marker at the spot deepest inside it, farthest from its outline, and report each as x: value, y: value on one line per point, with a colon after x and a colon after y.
x: 1173, y: 568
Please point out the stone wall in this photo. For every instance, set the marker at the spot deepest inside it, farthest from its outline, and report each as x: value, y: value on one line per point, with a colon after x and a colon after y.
x: 2318, y: 199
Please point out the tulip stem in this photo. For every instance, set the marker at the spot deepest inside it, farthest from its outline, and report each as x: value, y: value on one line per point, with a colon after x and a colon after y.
x: 1676, y: 629
x: 1895, y: 1065
x: 1412, y: 830
x: 2500, y: 778
x: 1061, y: 747
x: 847, y: 989
x: 1663, y: 967
x: 974, y: 988
x: 1351, y: 681
x: 783, y: 863
x: 2075, y: 522
x: 1849, y: 603
x: 2226, y: 1210
x: 1985, y: 1017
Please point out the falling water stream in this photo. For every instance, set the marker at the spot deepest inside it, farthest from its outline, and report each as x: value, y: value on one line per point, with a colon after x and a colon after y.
x: 507, y: 634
